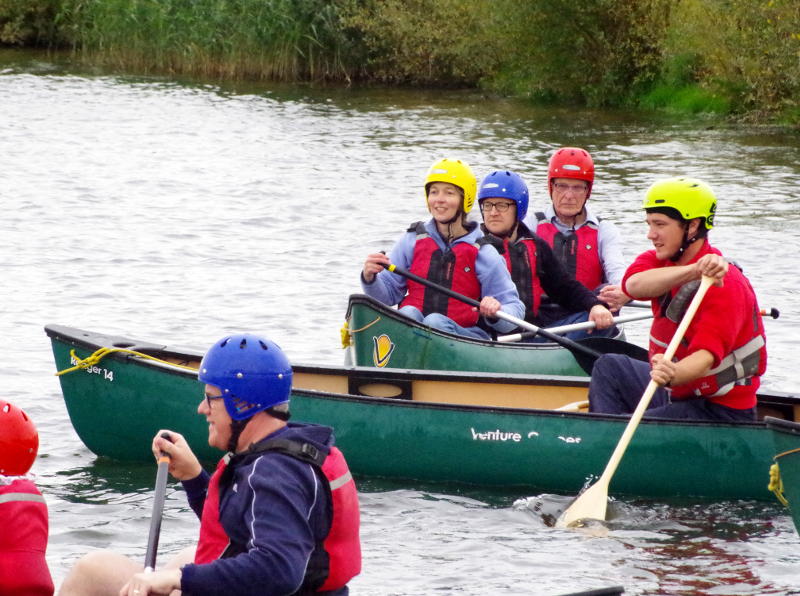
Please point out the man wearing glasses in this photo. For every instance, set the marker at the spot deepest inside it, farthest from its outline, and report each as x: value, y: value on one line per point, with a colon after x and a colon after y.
x: 280, y: 513
x: 503, y: 201
x: 588, y: 247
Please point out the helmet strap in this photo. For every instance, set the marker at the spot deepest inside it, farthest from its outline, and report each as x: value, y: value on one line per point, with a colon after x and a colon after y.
x: 237, y: 426
x: 511, y: 232
x: 279, y: 414
x: 687, y: 242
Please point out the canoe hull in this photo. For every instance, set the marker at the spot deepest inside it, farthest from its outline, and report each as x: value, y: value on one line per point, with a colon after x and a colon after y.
x: 118, y: 405
x: 381, y: 337
x: 786, y: 437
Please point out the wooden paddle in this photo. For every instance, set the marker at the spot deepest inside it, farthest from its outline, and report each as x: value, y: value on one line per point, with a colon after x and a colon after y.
x: 585, y: 352
x: 158, y: 510
x: 591, y: 504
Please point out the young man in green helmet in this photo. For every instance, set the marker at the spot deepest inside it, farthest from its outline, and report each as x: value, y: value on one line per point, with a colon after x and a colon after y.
x: 279, y: 515
x: 717, y: 368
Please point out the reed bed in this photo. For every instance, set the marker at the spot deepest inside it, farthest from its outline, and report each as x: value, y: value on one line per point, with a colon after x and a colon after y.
x: 732, y: 57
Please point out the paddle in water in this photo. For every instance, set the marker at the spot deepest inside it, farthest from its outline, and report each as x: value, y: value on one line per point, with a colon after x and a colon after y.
x: 585, y: 352
x: 592, y: 503
x: 158, y: 510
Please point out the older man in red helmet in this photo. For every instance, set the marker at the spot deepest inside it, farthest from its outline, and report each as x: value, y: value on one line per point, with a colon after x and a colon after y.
x: 589, y: 247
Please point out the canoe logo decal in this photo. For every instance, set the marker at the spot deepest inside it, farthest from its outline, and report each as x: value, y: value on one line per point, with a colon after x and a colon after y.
x: 104, y: 373
x: 382, y: 348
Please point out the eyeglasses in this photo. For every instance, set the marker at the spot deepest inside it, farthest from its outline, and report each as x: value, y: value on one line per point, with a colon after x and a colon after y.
x: 502, y: 207
x: 210, y: 397
x: 562, y: 187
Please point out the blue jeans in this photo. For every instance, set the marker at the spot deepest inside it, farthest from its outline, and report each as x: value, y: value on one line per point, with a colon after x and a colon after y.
x: 618, y: 383
x: 577, y: 317
x: 443, y: 323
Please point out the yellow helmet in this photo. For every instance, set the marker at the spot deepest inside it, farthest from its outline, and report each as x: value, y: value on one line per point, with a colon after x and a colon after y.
x: 457, y: 173
x: 690, y: 197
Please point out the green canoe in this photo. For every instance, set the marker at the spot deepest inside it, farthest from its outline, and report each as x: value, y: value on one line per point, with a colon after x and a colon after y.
x: 484, y: 429
x: 379, y: 336
x: 785, y: 472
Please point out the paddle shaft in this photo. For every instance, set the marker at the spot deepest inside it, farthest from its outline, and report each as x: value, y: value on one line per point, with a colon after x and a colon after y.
x: 563, y: 341
x: 576, y: 327
x: 771, y: 312
x: 158, y: 510
x: 669, y: 353
x: 572, y: 514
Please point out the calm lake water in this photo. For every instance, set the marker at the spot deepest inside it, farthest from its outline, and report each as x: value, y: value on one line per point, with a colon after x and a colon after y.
x: 180, y: 211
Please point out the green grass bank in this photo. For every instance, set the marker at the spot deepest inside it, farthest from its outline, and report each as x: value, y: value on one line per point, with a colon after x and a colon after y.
x: 736, y: 58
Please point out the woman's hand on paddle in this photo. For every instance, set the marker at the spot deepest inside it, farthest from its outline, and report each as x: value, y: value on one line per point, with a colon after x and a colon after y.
x: 183, y: 464
x: 374, y: 265
x: 714, y: 266
x: 156, y: 582
x: 601, y: 317
x: 489, y: 306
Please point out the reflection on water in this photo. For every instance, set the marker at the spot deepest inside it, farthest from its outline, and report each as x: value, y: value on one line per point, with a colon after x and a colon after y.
x: 175, y: 212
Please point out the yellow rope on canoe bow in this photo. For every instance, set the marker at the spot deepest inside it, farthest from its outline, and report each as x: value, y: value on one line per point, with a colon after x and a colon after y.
x: 98, y: 355
x: 775, y: 481
x: 347, y: 334
x: 776, y: 484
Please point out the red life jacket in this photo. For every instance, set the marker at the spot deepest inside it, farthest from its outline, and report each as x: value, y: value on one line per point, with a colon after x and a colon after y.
x: 23, y: 540
x: 734, y: 381
x: 579, y: 252
x: 213, y: 539
x: 453, y: 268
x: 521, y: 263
x: 342, y: 544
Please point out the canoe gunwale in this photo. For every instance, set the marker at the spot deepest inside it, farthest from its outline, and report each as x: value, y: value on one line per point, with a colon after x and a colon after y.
x: 782, y: 426
x: 93, y: 341
x: 393, y: 314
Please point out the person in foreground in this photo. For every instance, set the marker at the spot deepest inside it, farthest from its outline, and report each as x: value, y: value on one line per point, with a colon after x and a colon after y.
x: 23, y: 511
x: 503, y: 201
x: 717, y: 367
x: 589, y: 247
x: 444, y: 250
x: 280, y: 513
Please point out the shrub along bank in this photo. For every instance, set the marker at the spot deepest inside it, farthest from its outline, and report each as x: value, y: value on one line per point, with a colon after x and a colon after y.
x: 731, y: 57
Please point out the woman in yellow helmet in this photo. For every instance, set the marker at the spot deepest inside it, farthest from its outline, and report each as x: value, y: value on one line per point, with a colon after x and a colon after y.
x: 718, y: 365
x: 444, y: 250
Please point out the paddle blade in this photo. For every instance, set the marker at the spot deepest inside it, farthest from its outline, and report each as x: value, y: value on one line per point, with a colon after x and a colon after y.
x: 606, y: 345
x: 590, y: 504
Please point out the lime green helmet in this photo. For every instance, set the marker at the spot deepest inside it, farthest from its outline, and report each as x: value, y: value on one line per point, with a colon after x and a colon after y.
x: 457, y: 173
x: 690, y: 197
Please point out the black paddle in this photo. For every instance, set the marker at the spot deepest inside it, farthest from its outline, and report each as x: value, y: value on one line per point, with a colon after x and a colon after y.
x: 158, y: 510
x: 585, y: 352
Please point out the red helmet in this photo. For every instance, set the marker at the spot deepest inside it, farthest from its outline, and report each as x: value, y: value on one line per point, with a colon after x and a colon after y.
x: 19, y: 440
x: 571, y: 162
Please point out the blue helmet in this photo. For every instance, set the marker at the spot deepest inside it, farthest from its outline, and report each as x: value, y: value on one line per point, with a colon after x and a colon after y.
x: 252, y: 373
x: 506, y: 185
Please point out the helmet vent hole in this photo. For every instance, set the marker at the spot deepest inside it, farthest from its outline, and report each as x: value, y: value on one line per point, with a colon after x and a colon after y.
x: 243, y: 344
x: 224, y: 342
x: 6, y: 408
x: 263, y: 345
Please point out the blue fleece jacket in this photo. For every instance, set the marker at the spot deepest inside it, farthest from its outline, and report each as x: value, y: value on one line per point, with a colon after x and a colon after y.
x: 277, y: 508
